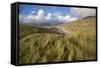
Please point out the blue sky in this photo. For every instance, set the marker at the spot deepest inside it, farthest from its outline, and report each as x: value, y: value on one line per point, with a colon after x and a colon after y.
x: 27, y: 9
x: 52, y: 13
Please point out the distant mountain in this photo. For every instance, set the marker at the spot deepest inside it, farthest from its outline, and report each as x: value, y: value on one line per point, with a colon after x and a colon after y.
x: 51, y: 22
x: 85, y: 23
x: 43, y: 23
x: 89, y: 17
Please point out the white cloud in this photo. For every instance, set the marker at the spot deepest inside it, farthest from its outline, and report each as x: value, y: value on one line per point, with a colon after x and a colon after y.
x: 67, y: 17
x: 48, y: 17
x: 39, y: 17
x: 83, y: 12
x: 73, y: 19
x: 60, y: 17
x: 23, y: 19
x: 31, y: 16
x: 40, y: 12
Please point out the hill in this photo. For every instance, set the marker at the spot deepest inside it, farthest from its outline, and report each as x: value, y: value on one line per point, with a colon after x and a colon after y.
x: 86, y: 25
x: 38, y: 45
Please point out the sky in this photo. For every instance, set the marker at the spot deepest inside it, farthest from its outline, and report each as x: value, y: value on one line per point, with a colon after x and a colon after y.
x: 26, y: 9
x: 40, y: 14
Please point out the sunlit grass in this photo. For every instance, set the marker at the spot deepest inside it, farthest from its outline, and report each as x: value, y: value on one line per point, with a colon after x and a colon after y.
x: 35, y: 47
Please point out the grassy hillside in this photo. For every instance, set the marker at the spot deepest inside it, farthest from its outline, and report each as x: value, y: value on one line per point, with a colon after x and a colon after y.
x: 39, y: 45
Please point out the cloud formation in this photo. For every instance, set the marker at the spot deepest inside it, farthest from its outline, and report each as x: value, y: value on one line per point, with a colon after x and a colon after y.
x: 40, y: 12
x: 40, y: 17
x: 83, y: 12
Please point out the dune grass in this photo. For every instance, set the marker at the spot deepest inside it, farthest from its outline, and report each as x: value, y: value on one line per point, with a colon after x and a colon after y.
x: 37, y: 47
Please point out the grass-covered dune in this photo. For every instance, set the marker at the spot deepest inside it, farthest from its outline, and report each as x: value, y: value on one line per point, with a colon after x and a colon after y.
x: 36, y: 46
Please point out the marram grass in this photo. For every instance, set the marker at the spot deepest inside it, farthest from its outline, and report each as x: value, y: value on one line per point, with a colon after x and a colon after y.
x: 38, y: 47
